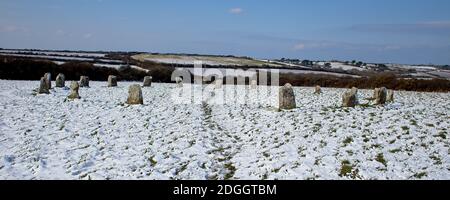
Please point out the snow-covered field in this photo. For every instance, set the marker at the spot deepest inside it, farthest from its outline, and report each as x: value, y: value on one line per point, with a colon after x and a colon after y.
x: 339, y: 65
x: 206, y: 60
x: 100, y: 137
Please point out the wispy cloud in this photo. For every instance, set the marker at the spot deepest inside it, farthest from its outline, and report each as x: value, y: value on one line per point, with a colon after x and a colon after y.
x: 11, y: 29
x: 87, y: 35
x: 236, y: 11
x: 299, y: 47
x: 432, y: 27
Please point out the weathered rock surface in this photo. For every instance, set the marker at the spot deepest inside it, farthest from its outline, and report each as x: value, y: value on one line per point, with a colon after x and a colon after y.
x: 147, y: 81
x: 390, y: 96
x: 48, y: 80
x: 286, y: 98
x: 135, y: 95
x: 84, y: 81
x: 74, y: 86
x: 380, y: 95
x: 179, y: 81
x: 43, y: 86
x: 112, y: 81
x: 317, y: 90
x: 60, y: 80
x: 350, y: 98
x: 253, y: 84
x: 218, y: 83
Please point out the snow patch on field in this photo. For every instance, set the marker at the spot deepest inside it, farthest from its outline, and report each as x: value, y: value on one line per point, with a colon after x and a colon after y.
x: 343, y: 66
x: 100, y: 137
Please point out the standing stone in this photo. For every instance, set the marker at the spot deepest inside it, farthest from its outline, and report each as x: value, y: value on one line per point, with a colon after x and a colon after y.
x: 390, y: 96
x: 135, y: 95
x: 74, y: 86
x: 60, y: 80
x: 147, y: 81
x: 380, y: 95
x: 218, y: 83
x: 350, y: 98
x: 112, y: 81
x: 84, y: 81
x: 286, y: 98
x: 179, y: 81
x: 48, y: 80
x: 43, y: 86
x: 318, y: 90
x: 253, y: 84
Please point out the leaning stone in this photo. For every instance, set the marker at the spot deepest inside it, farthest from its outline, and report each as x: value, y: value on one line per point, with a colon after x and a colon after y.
x: 390, y: 96
x: 74, y: 86
x: 48, y: 80
x: 135, y: 95
x: 179, y: 81
x: 112, y: 81
x: 60, y: 80
x: 318, y: 90
x: 43, y: 86
x: 350, y: 98
x: 147, y: 81
x: 380, y: 95
x: 84, y: 81
x: 286, y: 98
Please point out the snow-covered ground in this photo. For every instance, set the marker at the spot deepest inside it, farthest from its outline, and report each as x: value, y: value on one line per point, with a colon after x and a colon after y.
x: 100, y: 137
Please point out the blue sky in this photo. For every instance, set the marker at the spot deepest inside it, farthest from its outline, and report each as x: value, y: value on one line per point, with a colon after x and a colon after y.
x: 400, y: 31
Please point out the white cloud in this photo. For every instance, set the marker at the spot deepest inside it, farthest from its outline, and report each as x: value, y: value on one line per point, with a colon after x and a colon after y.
x: 87, y: 35
x: 236, y: 11
x: 300, y: 46
x: 392, y: 47
x: 60, y: 32
x: 11, y: 28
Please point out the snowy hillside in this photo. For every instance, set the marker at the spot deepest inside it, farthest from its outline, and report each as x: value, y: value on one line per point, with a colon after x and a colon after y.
x: 100, y: 137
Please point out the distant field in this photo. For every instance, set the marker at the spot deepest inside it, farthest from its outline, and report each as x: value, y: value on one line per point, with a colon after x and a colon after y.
x: 207, y: 60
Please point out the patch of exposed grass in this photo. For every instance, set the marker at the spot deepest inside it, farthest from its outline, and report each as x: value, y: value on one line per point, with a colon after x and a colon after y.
x: 348, y: 170
x: 429, y: 125
x: 395, y: 150
x: 376, y: 146
x: 441, y: 135
x: 231, y: 170
x: 152, y: 161
x: 347, y: 141
x: 437, y: 160
x: 420, y: 175
x: 61, y: 127
x: 349, y: 152
x: 380, y: 158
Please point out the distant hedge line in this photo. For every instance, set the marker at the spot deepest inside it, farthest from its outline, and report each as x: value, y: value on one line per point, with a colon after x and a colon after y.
x: 387, y: 80
x: 13, y: 68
